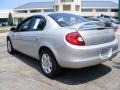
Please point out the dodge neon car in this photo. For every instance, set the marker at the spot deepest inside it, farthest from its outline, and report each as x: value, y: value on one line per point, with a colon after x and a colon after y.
x: 63, y: 40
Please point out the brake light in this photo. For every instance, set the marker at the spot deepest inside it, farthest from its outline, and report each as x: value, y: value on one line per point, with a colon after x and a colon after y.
x: 75, y: 38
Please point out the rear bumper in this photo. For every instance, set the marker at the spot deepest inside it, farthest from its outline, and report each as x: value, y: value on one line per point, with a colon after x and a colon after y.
x: 79, y: 57
x: 85, y: 62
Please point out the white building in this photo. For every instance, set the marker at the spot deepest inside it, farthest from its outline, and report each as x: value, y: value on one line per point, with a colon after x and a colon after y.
x: 84, y: 8
x: 5, y: 13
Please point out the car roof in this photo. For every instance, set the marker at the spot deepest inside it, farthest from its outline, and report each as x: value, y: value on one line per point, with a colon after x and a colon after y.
x: 47, y: 13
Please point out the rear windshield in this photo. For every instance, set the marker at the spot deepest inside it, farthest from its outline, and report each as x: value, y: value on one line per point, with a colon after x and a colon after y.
x: 65, y: 19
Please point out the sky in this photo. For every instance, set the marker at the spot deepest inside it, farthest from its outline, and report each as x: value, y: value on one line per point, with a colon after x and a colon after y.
x: 10, y: 4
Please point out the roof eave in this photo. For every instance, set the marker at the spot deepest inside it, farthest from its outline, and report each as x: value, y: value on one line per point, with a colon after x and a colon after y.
x: 32, y: 9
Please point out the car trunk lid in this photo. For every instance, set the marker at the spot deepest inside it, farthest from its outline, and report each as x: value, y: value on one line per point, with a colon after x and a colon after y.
x: 94, y: 34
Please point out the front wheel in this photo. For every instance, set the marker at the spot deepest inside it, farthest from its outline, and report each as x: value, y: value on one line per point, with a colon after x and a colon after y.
x: 48, y: 64
x: 9, y: 47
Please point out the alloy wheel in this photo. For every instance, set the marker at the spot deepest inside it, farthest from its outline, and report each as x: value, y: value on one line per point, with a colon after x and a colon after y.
x: 46, y: 63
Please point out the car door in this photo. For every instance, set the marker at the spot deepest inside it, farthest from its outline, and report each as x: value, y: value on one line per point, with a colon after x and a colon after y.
x: 31, y: 38
x: 18, y: 35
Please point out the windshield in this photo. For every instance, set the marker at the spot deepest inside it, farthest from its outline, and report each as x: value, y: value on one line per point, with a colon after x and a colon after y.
x: 65, y: 19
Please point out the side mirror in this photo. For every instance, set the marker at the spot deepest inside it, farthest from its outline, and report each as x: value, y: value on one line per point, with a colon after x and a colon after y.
x: 13, y: 29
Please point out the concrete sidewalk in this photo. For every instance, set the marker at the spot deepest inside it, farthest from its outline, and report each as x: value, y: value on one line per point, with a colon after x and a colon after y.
x: 3, y: 34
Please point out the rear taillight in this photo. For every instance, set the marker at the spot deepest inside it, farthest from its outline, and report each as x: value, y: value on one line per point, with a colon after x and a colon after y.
x: 75, y: 38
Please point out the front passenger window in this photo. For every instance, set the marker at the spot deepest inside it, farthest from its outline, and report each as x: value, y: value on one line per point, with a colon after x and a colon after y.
x: 24, y: 26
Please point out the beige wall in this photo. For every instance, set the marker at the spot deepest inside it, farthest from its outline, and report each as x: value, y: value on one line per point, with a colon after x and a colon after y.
x: 73, y: 4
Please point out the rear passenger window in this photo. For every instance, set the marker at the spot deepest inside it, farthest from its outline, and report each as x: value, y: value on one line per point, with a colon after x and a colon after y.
x: 38, y: 24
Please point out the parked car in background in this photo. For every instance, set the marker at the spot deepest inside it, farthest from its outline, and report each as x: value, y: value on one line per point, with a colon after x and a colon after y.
x: 4, y: 24
x: 63, y: 40
x: 105, y: 23
x: 3, y: 21
x: 114, y: 22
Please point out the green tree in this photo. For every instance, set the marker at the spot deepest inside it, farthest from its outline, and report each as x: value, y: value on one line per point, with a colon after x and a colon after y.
x: 10, y: 19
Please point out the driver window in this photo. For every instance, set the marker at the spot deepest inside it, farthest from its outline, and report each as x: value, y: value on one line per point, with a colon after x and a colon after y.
x: 24, y: 26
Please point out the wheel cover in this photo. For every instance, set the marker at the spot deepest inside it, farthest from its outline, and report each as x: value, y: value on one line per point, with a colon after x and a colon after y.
x: 9, y: 46
x: 46, y: 63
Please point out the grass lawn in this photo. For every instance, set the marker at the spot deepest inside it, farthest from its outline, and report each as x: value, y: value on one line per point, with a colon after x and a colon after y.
x: 4, y: 29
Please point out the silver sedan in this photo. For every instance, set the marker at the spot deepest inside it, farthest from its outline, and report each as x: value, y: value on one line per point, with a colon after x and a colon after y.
x: 63, y: 40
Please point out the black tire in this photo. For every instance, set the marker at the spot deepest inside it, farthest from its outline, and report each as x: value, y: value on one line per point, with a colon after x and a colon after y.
x: 12, y: 49
x: 55, y: 70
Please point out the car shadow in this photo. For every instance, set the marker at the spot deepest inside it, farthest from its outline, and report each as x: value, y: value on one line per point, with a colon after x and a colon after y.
x: 81, y: 76
x: 70, y: 76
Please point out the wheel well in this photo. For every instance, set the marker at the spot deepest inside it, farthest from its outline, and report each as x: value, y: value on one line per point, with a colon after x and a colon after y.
x: 42, y: 48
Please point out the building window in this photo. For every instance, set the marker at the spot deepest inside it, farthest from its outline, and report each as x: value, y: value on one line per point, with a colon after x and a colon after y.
x: 49, y: 10
x: 101, y: 10
x: 57, y: 8
x: 66, y: 7
x: 35, y: 11
x: 22, y: 11
x: 87, y: 10
x: 114, y: 10
x: 19, y: 20
x: 77, y: 7
x: 67, y: 0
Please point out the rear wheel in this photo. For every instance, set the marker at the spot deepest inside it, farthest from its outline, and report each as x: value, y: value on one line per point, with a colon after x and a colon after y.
x: 10, y: 48
x: 48, y: 64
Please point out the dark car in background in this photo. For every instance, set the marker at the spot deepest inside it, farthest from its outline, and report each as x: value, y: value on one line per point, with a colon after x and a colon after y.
x: 3, y: 21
